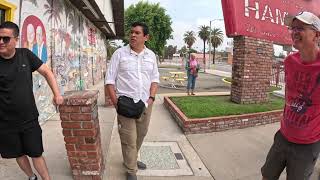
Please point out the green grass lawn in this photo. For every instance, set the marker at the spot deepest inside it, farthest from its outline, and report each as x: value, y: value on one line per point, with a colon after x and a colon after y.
x: 211, y: 106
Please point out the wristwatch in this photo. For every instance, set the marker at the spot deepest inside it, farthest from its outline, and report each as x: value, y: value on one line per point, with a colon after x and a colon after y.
x: 153, y: 98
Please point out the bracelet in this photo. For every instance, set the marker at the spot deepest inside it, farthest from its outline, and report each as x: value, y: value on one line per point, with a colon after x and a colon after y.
x: 153, y: 98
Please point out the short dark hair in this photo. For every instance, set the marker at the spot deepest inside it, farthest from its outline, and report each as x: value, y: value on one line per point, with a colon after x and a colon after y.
x: 11, y: 25
x: 143, y: 25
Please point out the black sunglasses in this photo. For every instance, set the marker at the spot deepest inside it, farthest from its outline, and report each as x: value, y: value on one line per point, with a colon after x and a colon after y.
x: 5, y: 39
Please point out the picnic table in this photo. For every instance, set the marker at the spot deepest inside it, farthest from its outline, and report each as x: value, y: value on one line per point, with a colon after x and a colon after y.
x: 177, y: 77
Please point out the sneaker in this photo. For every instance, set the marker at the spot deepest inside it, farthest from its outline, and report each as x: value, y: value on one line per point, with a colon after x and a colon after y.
x: 34, y: 177
x: 131, y: 176
x: 141, y: 165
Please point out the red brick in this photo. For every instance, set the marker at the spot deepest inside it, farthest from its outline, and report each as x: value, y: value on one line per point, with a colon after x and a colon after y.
x: 92, y: 154
x: 73, y: 161
x: 87, y: 109
x: 67, y: 132
x: 88, y: 147
x: 88, y: 161
x: 91, y: 132
x: 80, y: 117
x: 77, y: 154
x: 70, y: 147
x: 81, y: 140
x: 64, y: 116
x: 69, y: 109
x: 87, y: 125
x: 96, y: 177
x: 71, y: 125
x: 95, y: 167
x: 71, y: 140
x: 90, y: 140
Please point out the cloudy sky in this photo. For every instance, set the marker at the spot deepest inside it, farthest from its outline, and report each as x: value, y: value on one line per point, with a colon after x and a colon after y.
x: 189, y: 15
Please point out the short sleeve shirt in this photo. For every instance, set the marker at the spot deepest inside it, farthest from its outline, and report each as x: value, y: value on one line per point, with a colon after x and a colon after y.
x: 301, y: 120
x: 17, y: 103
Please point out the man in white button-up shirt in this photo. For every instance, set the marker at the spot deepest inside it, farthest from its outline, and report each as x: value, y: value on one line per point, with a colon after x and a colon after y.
x: 133, y: 73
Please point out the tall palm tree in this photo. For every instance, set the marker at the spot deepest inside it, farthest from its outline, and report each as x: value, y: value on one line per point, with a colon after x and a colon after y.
x: 216, y: 40
x: 53, y: 9
x: 68, y: 10
x: 189, y: 38
x: 204, y: 35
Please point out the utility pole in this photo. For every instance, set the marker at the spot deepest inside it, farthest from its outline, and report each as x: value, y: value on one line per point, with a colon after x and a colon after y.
x: 210, y: 40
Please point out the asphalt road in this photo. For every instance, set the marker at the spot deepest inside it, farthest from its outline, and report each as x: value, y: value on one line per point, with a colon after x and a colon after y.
x: 204, y: 83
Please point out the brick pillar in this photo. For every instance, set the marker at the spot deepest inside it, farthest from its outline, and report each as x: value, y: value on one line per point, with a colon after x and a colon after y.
x: 251, y: 70
x: 81, y: 130
x: 107, y: 99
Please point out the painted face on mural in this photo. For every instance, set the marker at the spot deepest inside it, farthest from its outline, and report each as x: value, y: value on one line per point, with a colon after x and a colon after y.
x: 303, y: 35
x: 7, y: 42
x: 137, y: 37
x: 39, y: 35
x: 30, y: 33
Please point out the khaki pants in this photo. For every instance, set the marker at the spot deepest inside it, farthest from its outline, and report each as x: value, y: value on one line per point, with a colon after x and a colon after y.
x: 132, y: 133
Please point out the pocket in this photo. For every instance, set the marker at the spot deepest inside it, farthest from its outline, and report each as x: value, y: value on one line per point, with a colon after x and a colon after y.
x: 147, y: 65
x: 127, y: 64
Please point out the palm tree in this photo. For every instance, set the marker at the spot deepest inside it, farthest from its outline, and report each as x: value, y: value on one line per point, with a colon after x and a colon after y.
x: 189, y: 38
x: 204, y: 35
x: 216, y: 40
x: 53, y: 9
x: 68, y: 10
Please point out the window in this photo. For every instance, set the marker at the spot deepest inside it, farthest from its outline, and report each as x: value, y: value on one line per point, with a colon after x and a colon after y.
x: 2, y: 15
x: 6, y: 11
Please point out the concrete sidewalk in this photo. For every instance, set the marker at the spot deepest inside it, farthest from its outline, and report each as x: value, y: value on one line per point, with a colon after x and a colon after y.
x: 219, y: 73
x: 229, y: 155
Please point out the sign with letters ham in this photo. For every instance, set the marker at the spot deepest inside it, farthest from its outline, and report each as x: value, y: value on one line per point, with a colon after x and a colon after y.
x: 264, y: 19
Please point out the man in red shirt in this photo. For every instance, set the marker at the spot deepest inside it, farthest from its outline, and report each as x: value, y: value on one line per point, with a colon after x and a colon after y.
x: 296, y: 145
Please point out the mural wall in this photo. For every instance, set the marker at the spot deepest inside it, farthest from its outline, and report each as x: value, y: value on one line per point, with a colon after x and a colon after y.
x: 66, y: 41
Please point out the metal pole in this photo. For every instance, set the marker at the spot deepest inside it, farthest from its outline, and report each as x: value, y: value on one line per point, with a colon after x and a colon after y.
x: 209, y: 45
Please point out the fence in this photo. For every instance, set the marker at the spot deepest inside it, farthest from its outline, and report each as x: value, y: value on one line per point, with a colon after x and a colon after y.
x: 277, y: 74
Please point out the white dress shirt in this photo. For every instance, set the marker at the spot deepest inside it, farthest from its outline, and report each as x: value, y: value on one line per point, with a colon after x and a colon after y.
x: 133, y: 73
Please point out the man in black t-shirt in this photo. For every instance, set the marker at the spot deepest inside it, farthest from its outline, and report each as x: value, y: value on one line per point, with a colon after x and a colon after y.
x: 20, y: 133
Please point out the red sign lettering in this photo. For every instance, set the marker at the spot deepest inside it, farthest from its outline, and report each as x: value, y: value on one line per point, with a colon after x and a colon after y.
x: 264, y: 19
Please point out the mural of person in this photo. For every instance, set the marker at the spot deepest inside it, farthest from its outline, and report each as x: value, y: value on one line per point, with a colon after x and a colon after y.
x: 30, y: 37
x: 34, y: 38
x: 40, y: 49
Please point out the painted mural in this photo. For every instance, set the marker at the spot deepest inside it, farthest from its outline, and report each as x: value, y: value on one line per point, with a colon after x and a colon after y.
x: 33, y: 37
x: 66, y: 41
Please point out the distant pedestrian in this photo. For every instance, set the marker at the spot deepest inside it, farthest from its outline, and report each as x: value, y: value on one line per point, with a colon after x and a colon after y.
x: 132, y: 82
x: 192, y: 67
x: 296, y: 145
x: 20, y: 132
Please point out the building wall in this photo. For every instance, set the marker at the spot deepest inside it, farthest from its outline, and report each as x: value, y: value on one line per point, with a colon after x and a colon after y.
x: 72, y: 46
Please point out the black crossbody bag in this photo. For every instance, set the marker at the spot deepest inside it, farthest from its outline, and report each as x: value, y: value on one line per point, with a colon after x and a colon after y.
x: 128, y: 108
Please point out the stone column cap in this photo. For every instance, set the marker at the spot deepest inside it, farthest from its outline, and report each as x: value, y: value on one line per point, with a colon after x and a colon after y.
x: 76, y: 98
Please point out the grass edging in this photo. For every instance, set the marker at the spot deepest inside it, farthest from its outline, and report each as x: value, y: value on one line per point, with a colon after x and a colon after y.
x: 221, y: 123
